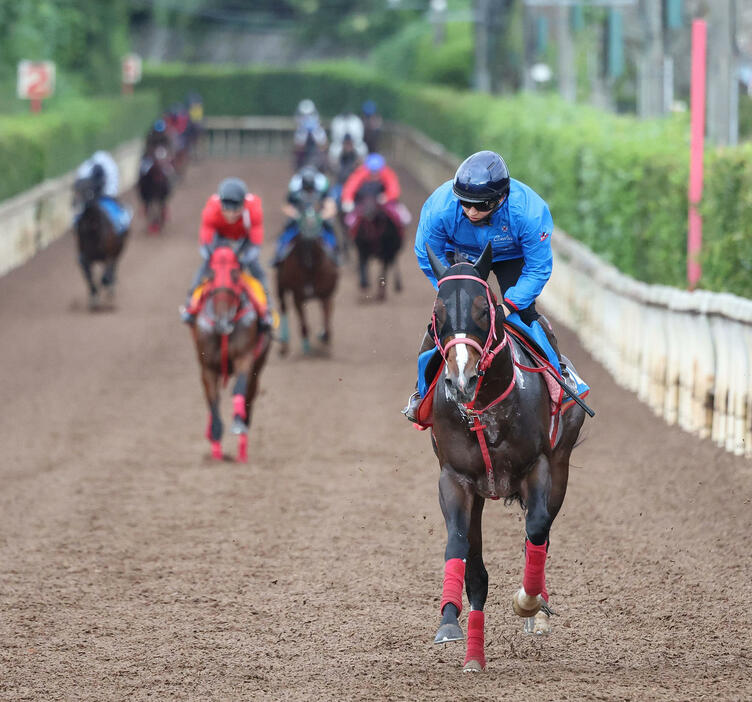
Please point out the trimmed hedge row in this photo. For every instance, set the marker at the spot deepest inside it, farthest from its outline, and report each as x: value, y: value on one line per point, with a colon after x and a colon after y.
x: 616, y: 183
x: 36, y: 147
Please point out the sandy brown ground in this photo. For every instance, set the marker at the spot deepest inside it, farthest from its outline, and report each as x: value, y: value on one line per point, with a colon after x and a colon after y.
x: 132, y: 567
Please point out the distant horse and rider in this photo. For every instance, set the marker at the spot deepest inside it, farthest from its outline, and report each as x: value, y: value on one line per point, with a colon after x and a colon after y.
x: 227, y: 307
x: 101, y: 224
x: 376, y: 220
x: 306, y: 256
x: 156, y: 176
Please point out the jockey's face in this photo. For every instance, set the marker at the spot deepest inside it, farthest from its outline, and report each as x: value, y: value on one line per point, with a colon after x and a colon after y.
x: 231, y: 211
x: 478, y: 211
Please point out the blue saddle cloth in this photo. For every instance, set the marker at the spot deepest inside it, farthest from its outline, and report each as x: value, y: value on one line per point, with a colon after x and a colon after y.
x: 286, y: 239
x: 119, y: 215
x: 427, y: 369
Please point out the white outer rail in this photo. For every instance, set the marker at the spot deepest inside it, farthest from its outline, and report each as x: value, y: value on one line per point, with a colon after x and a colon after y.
x: 32, y: 220
x: 688, y: 355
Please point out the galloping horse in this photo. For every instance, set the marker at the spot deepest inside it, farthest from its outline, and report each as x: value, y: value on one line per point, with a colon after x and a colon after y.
x: 495, y: 436
x: 308, y: 271
x: 376, y: 236
x: 229, y: 341
x: 154, y: 187
x: 98, y: 242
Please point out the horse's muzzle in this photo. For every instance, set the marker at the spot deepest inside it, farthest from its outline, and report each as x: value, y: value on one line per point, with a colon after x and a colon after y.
x: 461, y: 387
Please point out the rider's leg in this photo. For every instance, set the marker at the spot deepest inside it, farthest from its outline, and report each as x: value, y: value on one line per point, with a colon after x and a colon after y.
x: 249, y: 259
x: 188, y: 311
x: 330, y: 238
x: 414, y: 401
x: 288, y: 234
x: 507, y: 274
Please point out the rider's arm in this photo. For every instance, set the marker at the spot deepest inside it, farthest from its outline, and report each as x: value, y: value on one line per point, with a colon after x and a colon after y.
x: 254, y: 207
x: 209, y: 220
x: 391, y: 184
x: 431, y: 232
x: 535, y: 240
x: 353, y: 183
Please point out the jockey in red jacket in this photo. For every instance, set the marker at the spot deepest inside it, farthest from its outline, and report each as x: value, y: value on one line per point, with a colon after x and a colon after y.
x: 231, y: 216
x: 374, y: 173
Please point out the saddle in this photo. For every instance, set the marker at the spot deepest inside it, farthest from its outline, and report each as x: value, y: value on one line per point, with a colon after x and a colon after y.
x: 227, y: 273
x: 537, y: 346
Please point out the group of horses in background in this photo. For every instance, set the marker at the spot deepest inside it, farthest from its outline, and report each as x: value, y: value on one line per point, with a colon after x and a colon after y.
x: 165, y: 158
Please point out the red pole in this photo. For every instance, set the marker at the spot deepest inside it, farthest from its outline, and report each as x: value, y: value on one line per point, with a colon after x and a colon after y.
x: 36, y: 105
x: 697, y: 116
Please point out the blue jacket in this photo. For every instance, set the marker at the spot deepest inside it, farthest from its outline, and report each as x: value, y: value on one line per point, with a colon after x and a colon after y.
x: 520, y: 228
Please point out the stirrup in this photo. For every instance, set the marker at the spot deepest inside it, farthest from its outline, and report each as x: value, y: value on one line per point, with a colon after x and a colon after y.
x: 410, y: 411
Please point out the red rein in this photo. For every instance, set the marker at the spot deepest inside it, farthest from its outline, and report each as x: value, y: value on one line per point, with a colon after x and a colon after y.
x: 487, y: 355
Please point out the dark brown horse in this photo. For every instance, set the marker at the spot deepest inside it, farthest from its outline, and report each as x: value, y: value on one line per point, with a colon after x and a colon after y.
x: 97, y: 240
x: 229, y: 341
x: 491, y: 434
x: 307, y: 272
x: 375, y: 235
x: 154, y: 187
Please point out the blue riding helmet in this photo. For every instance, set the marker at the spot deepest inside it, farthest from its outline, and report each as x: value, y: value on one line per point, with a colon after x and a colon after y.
x: 369, y: 108
x: 482, y: 177
x: 375, y: 162
x: 159, y: 125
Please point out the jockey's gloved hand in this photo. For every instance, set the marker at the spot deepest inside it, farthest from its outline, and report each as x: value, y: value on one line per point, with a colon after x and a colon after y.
x: 348, y: 206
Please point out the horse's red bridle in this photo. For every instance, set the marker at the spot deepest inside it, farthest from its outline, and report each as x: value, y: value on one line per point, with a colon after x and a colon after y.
x: 487, y: 355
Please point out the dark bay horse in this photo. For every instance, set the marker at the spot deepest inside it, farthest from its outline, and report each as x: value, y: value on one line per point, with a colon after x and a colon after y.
x: 154, y: 187
x: 97, y: 240
x: 375, y: 236
x: 491, y: 434
x: 307, y: 272
x: 229, y: 341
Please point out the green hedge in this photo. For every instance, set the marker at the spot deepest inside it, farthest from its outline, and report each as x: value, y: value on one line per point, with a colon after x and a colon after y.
x: 35, y: 147
x: 616, y: 183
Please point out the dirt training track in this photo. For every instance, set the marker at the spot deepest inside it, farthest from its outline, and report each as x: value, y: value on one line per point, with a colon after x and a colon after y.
x: 132, y: 567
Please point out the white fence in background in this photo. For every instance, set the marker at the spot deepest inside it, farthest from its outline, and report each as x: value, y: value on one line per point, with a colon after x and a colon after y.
x: 32, y: 220
x: 688, y: 355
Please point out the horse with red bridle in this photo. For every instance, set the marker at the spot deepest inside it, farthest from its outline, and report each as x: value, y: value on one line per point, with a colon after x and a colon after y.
x: 497, y: 433
x: 229, y: 341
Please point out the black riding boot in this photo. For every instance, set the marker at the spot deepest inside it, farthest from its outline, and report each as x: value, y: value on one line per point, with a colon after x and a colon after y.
x: 415, y: 399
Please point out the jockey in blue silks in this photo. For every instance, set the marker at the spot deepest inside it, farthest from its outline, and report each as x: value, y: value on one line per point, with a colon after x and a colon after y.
x: 308, y: 187
x: 101, y: 167
x: 481, y: 205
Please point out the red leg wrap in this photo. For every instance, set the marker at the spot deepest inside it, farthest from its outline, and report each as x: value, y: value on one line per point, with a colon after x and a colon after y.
x: 238, y: 406
x: 454, y: 581
x: 475, y: 638
x: 534, y: 580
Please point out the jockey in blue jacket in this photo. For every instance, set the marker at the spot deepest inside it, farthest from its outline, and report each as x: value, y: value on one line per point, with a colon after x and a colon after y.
x: 481, y: 205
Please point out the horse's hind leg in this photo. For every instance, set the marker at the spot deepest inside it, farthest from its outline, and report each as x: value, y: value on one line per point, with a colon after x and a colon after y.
x: 300, y: 307
x: 456, y: 505
x: 93, y: 291
x: 476, y: 583
x: 108, y: 278
x: 284, y: 323
x: 326, y: 307
x: 214, y: 427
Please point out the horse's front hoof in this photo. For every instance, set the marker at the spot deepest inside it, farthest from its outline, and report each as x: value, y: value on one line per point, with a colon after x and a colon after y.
x: 473, y: 667
x: 448, y: 633
x: 306, y: 347
x: 540, y: 624
x: 324, y: 337
x: 284, y: 347
x: 525, y: 605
